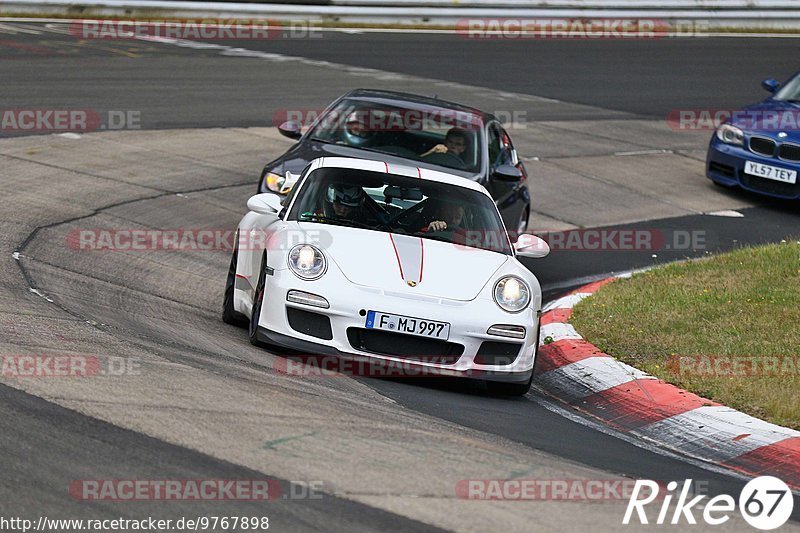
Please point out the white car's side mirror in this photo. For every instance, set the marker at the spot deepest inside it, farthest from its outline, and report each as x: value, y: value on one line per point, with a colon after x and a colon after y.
x: 265, y: 204
x: 528, y: 245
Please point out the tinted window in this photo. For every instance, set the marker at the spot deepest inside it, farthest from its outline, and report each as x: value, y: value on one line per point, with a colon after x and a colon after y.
x: 440, y: 137
x: 403, y: 205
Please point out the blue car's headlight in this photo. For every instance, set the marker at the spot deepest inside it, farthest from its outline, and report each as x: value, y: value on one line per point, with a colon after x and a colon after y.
x: 730, y: 135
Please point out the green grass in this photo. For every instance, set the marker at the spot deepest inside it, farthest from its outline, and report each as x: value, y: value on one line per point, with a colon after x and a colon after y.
x: 744, y: 304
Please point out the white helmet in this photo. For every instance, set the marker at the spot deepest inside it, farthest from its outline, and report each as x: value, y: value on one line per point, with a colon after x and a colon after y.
x: 343, y: 194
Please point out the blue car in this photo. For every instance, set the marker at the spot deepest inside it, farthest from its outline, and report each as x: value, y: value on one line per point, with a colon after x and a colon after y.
x: 758, y: 147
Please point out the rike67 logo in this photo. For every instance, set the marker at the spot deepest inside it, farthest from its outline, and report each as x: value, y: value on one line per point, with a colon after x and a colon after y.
x: 765, y: 503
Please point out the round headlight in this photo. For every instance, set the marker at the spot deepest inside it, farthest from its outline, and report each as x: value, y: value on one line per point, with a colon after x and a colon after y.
x: 307, y: 262
x: 274, y: 182
x: 730, y: 134
x: 512, y: 294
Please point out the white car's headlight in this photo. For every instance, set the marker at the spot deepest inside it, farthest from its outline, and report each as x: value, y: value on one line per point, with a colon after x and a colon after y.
x: 730, y: 135
x: 512, y: 294
x: 307, y: 262
x: 274, y: 182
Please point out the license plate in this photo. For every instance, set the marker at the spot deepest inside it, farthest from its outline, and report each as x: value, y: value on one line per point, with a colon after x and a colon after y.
x: 771, y: 173
x: 408, y: 325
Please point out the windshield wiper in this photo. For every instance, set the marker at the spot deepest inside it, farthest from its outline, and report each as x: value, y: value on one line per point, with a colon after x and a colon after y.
x: 320, y: 140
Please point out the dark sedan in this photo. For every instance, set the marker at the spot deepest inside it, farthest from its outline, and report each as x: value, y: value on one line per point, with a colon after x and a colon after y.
x: 409, y: 129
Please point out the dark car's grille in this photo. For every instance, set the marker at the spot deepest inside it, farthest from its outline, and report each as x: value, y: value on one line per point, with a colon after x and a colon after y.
x: 404, y: 346
x: 771, y: 186
x: 762, y: 145
x: 497, y: 353
x: 789, y: 152
x: 313, y: 324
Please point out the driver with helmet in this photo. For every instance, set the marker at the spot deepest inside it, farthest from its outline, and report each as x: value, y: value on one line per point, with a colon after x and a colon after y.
x: 347, y: 203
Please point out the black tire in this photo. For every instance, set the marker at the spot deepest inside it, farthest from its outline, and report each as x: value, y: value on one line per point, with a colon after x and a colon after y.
x: 229, y: 315
x: 509, y: 389
x: 258, y: 299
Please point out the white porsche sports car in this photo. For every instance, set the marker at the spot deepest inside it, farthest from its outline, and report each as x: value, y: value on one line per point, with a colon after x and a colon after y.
x: 391, y: 263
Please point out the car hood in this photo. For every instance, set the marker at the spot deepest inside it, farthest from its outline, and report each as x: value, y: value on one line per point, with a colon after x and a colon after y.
x: 296, y: 159
x: 770, y: 118
x: 411, y: 266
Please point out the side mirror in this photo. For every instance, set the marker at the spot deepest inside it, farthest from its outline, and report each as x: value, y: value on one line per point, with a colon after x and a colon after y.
x: 528, y: 245
x: 771, y: 85
x: 293, y: 130
x: 265, y: 204
x: 507, y: 173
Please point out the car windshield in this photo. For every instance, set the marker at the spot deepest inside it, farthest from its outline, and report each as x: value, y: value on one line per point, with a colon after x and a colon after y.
x: 440, y: 137
x: 791, y: 91
x: 401, y: 205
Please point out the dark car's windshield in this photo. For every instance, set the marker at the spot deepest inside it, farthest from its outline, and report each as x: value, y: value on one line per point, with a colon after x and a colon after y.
x: 791, y: 91
x: 442, y: 137
x: 402, y: 205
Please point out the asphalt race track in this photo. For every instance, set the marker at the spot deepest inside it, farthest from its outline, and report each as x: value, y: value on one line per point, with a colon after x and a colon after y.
x: 204, y: 404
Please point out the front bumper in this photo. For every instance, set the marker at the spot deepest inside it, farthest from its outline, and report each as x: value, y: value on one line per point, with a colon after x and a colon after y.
x: 469, y: 323
x: 725, y: 165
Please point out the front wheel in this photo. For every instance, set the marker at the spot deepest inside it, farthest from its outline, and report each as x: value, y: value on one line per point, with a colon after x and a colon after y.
x: 229, y: 314
x: 258, y: 299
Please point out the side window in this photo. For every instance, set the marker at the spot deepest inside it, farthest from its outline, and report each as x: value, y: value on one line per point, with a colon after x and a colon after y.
x: 501, y: 152
x: 494, y: 145
x: 508, y: 148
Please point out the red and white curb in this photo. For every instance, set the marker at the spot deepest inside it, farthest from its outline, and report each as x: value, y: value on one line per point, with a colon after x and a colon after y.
x: 578, y: 373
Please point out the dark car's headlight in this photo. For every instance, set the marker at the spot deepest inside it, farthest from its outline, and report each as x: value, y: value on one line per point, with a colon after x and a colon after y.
x: 274, y: 182
x: 730, y: 135
x: 307, y: 262
x: 512, y: 294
